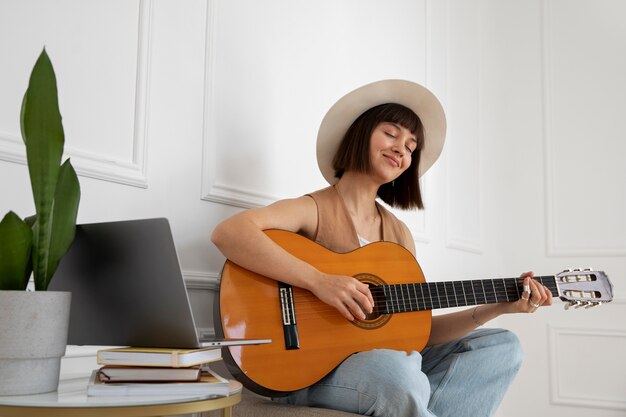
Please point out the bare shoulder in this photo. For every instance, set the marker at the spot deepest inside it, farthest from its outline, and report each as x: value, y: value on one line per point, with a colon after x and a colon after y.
x: 297, y: 215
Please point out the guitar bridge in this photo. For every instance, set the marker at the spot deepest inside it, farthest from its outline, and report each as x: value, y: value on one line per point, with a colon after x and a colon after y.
x: 288, y: 312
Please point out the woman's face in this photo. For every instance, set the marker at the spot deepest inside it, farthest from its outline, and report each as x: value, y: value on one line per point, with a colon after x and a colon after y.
x: 391, y: 147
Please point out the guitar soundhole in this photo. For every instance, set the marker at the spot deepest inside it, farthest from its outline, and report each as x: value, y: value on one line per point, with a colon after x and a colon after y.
x: 377, y: 318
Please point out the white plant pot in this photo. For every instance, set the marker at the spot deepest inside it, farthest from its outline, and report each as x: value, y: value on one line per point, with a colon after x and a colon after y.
x: 33, y: 337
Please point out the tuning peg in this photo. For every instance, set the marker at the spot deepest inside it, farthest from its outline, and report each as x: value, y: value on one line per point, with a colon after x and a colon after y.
x: 567, y: 270
x: 578, y: 304
x: 588, y: 269
x: 577, y: 269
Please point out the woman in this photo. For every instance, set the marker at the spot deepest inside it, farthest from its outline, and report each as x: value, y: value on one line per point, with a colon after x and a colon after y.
x: 376, y: 142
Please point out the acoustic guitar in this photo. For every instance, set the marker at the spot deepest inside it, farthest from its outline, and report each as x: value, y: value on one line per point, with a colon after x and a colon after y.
x: 310, y: 338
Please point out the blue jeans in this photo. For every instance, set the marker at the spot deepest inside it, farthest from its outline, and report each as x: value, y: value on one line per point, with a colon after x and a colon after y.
x: 466, y: 377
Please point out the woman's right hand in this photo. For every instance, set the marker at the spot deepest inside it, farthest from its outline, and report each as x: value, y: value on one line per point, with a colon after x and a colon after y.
x: 348, y: 295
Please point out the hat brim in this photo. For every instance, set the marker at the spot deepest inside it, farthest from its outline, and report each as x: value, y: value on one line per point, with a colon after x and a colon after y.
x: 348, y: 108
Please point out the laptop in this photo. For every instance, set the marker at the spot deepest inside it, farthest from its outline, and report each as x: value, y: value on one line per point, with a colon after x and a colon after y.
x: 128, y: 288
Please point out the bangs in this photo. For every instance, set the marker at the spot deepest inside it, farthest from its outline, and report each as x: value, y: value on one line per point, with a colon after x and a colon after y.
x: 401, y: 115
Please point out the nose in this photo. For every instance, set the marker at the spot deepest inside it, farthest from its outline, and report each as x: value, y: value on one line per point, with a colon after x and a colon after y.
x: 398, y: 149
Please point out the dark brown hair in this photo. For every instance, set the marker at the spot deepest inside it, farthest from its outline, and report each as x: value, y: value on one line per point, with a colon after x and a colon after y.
x: 353, y: 153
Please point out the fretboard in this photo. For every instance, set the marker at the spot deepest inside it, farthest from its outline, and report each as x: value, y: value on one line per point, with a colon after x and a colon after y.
x: 399, y: 298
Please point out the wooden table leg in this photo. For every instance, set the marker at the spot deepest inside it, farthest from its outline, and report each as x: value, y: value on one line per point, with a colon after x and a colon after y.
x: 227, y: 412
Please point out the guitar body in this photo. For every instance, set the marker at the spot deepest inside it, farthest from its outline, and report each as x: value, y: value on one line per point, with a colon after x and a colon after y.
x: 250, y: 307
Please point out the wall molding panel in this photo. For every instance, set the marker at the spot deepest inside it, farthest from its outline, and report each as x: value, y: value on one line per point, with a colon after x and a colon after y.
x: 198, y: 280
x: 565, y: 387
x: 463, y: 193
x: 100, y: 166
x: 212, y: 188
x: 561, y: 216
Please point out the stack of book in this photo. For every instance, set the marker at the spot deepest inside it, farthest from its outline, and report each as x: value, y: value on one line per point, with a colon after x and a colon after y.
x: 157, y: 371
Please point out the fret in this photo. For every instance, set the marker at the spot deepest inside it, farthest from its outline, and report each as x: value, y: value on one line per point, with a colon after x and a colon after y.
x: 482, y: 286
x: 455, y: 292
x: 464, y: 293
x: 409, y: 301
x: 417, y: 304
x: 441, y: 289
x: 388, y: 304
x: 415, y: 297
x: 490, y: 295
x: 474, y: 300
x: 433, y: 296
x: 473, y: 292
x: 417, y: 301
x: 412, y: 298
x: 445, y: 300
x: 479, y: 295
x: 467, y: 286
x: 519, y: 290
x: 395, y: 292
x: 405, y: 295
x: 495, y: 293
x: 504, y: 285
x: 406, y: 301
x: 430, y: 296
x: 512, y: 289
x: 400, y: 305
x: 499, y: 290
x: 449, y: 286
x: 550, y: 282
x: 445, y: 291
x: 423, y: 298
x: 395, y: 298
x: 438, y: 296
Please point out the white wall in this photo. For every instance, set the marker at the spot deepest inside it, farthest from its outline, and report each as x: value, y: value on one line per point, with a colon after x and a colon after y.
x: 194, y: 110
x: 557, y: 97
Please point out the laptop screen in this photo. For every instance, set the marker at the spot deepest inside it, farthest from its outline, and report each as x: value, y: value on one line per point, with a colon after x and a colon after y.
x: 127, y: 286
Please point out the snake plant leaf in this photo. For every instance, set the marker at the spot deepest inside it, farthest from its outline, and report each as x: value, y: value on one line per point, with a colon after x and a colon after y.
x: 15, y: 248
x: 42, y: 131
x: 30, y: 220
x: 62, y: 224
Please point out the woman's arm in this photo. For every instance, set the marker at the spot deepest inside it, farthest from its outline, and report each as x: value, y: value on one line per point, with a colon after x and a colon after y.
x: 448, y: 327
x: 241, y: 239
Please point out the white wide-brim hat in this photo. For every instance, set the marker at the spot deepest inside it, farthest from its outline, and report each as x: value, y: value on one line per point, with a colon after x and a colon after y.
x: 345, y: 111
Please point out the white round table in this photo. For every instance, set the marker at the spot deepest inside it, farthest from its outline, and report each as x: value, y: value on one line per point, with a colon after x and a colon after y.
x: 71, y: 400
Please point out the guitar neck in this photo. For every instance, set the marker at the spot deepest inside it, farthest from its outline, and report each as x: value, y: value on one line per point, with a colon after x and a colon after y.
x: 399, y: 298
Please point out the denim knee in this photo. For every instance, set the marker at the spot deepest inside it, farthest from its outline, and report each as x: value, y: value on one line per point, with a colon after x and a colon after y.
x: 400, y: 386
x: 379, y: 382
x: 511, y: 348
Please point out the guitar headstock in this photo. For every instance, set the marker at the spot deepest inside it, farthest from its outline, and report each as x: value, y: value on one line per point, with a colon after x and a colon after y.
x: 584, y: 287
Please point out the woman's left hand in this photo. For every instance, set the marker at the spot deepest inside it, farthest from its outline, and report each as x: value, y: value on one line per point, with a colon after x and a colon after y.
x: 534, y: 296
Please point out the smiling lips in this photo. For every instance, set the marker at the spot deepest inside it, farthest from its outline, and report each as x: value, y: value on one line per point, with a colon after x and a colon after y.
x: 393, y: 160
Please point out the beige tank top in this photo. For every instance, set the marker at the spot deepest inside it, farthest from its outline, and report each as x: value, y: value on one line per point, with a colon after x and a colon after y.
x: 336, y: 231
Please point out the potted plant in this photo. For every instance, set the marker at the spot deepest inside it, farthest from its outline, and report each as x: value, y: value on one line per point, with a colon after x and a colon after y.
x: 34, y: 324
